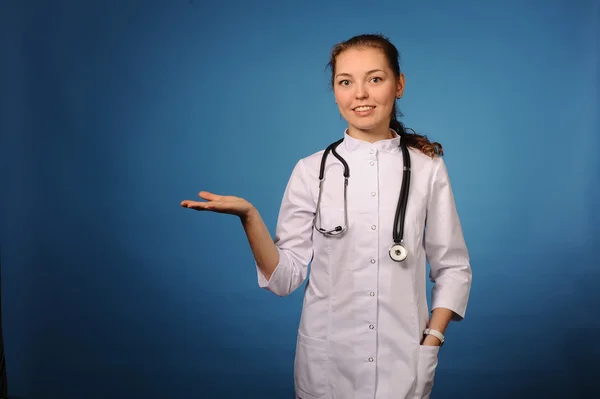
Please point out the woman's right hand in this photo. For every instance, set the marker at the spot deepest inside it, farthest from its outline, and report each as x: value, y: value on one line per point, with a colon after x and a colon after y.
x: 220, y: 204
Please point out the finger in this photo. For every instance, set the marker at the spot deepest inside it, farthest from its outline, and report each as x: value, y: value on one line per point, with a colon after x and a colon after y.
x: 187, y: 202
x: 209, y: 196
x: 214, y: 206
x: 195, y: 204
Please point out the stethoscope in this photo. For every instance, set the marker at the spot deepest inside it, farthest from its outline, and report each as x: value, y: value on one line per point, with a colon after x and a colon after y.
x: 397, y: 251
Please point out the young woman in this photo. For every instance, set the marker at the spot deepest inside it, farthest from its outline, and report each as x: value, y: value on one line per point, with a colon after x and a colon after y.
x: 383, y: 209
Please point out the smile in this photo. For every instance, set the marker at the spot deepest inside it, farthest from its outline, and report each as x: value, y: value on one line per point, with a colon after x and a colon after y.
x: 363, y: 108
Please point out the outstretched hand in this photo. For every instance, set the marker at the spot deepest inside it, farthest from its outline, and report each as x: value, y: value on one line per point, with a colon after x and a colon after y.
x: 220, y: 204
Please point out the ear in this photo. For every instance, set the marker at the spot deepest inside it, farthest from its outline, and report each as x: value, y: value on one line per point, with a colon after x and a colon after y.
x: 400, y: 86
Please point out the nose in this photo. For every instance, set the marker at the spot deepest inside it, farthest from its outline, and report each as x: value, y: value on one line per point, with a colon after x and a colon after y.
x: 361, y: 91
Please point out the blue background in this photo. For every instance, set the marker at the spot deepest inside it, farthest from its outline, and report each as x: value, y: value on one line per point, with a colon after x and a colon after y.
x: 114, y: 111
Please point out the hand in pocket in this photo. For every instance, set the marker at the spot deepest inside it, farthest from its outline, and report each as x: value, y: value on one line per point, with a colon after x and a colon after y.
x: 428, y: 361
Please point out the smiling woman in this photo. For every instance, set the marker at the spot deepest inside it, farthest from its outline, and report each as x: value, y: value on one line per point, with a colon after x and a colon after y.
x: 369, y: 65
x: 364, y: 89
x: 365, y: 327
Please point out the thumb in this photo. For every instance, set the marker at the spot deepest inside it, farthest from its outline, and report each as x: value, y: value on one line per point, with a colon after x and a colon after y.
x: 209, y: 196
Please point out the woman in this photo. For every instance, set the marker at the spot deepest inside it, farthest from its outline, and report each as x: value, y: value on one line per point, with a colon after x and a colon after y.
x: 365, y: 330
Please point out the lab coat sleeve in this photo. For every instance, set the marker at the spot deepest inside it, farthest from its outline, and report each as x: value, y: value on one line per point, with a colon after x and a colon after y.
x: 293, y: 235
x: 445, y: 247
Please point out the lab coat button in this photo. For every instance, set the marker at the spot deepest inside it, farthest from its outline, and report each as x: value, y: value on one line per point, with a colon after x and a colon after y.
x: 371, y: 359
x: 373, y: 194
x: 372, y: 260
x: 371, y: 326
x: 373, y: 227
x: 372, y: 293
x: 372, y: 163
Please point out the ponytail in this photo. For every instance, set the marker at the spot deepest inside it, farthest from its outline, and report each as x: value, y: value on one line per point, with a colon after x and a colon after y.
x: 415, y: 140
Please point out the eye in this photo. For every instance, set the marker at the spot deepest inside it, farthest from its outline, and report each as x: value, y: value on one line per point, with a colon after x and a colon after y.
x: 344, y: 82
x: 376, y: 79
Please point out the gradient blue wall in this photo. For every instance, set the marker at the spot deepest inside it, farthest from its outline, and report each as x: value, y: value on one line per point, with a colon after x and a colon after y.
x: 114, y: 111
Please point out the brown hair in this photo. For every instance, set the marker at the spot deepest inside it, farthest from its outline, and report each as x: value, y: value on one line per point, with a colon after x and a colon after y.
x: 380, y: 42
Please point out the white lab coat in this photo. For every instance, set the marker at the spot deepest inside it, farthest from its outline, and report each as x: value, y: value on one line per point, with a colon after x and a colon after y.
x: 363, y: 314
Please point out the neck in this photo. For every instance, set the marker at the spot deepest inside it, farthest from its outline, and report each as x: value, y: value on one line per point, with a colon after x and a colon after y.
x: 370, y: 136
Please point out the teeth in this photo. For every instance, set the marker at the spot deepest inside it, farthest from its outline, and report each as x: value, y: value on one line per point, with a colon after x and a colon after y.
x: 366, y: 108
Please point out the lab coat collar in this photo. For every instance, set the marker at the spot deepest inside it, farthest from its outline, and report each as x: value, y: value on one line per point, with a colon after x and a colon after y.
x: 388, y: 145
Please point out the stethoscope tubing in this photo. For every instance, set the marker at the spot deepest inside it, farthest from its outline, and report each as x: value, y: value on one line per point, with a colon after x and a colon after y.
x: 397, y: 251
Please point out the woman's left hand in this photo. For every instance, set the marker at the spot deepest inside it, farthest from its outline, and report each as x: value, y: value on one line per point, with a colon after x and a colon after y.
x: 430, y: 340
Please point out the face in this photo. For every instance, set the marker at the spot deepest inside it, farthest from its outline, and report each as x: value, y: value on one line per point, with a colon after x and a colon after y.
x: 365, y: 90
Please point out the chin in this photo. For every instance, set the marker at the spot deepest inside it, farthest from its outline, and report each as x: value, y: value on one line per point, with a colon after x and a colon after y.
x: 366, y: 127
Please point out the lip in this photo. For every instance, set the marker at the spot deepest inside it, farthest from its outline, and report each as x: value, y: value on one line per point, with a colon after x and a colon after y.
x: 364, y: 113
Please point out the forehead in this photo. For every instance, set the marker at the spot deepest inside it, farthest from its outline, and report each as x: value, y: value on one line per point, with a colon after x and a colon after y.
x: 357, y: 60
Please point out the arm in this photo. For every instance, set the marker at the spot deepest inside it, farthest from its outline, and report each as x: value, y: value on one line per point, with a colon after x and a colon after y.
x: 282, y: 265
x: 440, y: 318
x: 447, y: 254
x: 262, y: 245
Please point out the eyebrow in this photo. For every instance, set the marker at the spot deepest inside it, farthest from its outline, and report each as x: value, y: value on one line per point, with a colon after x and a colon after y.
x: 368, y: 73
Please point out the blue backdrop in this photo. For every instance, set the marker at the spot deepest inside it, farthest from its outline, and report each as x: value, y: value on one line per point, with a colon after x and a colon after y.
x: 114, y: 111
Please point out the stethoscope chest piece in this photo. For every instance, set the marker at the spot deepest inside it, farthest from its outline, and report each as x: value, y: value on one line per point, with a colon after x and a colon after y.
x: 398, y: 252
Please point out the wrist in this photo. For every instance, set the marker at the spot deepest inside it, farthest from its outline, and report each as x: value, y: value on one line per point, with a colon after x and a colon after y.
x: 250, y: 215
x: 430, y: 340
x: 433, y: 336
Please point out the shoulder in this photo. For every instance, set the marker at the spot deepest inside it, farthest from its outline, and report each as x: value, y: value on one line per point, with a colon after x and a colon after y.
x: 426, y: 163
x: 309, y: 166
x: 431, y: 171
x: 305, y: 172
x: 313, y: 161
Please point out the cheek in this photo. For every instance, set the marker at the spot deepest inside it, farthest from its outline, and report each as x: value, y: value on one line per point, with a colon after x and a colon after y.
x: 387, y: 96
x: 343, y: 99
x: 386, y: 101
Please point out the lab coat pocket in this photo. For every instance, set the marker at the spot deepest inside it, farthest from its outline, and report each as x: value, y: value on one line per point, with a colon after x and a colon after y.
x: 310, y: 374
x: 427, y: 364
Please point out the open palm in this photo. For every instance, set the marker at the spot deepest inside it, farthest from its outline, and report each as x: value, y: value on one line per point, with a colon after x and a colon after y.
x: 219, y: 203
